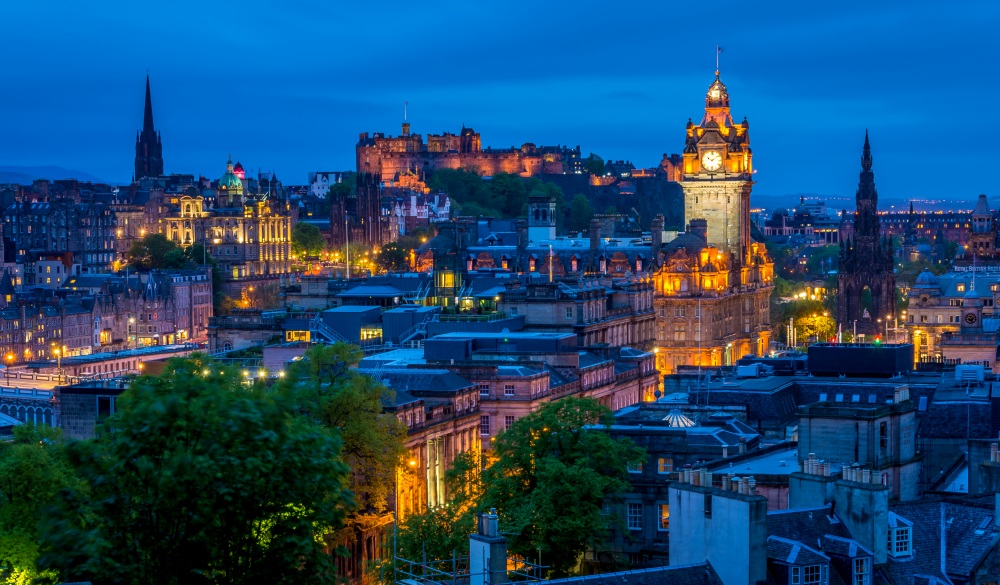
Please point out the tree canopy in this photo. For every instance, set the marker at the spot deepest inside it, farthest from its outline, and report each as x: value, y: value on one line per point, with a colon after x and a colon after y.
x: 392, y: 257
x: 580, y: 213
x: 33, y: 469
x: 594, y: 164
x: 199, y: 478
x: 307, y: 240
x: 555, y: 455
x: 326, y: 388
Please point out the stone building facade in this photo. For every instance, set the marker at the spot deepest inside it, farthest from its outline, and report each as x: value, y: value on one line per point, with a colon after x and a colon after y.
x: 248, y: 235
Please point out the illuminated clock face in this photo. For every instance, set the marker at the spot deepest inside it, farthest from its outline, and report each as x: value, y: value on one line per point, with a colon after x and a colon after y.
x: 970, y: 318
x: 711, y: 161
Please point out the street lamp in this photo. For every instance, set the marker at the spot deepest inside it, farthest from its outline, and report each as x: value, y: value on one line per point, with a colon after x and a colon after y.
x: 58, y: 362
x: 10, y: 362
x: 131, y: 327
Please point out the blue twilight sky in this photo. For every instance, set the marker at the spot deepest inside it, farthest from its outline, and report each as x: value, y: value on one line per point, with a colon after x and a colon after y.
x: 288, y: 86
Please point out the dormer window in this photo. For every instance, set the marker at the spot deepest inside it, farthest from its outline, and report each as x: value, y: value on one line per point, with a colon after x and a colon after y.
x: 808, y: 575
x: 862, y: 571
x: 960, y: 287
x: 900, y: 536
x: 899, y: 542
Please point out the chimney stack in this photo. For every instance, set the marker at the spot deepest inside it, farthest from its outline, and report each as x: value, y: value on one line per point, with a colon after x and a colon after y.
x: 699, y: 227
x: 656, y: 232
x: 487, y: 552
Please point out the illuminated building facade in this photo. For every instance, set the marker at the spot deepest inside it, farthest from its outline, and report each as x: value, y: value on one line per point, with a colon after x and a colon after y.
x: 248, y: 235
x: 713, y: 283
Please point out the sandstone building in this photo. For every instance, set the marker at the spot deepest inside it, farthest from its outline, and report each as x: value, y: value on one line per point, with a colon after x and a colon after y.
x: 713, y: 282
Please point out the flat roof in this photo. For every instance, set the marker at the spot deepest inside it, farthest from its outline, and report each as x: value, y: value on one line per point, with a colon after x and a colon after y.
x: 776, y: 462
x: 507, y: 335
x: 353, y: 309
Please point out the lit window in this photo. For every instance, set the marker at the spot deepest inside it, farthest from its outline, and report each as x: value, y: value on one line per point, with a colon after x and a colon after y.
x: 635, y: 516
x: 663, y: 515
x: 665, y: 465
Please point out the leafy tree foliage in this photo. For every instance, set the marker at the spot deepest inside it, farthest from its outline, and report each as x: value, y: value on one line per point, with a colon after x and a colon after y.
x: 260, y: 296
x: 150, y: 251
x: 552, y: 457
x: 392, y: 258
x: 594, y: 165
x: 33, y: 469
x: 200, y: 479
x: 307, y: 240
x: 326, y: 388
x: 467, y: 191
x: 511, y: 192
x: 580, y: 213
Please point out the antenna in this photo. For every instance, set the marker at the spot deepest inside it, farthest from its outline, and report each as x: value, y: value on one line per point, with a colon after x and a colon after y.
x: 718, y: 51
x: 404, y: 110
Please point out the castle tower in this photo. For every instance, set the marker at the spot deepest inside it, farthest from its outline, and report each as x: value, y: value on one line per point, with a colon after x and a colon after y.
x: 541, y: 219
x: 866, y: 261
x: 148, y: 148
x: 718, y: 174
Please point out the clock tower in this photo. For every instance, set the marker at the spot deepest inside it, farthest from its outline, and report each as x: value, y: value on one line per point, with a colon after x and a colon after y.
x: 718, y: 174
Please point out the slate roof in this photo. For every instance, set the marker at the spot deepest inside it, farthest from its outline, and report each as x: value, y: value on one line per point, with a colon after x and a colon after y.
x: 956, y: 420
x: 419, y: 382
x: 844, y: 547
x: 970, y: 533
x: 806, y: 525
x: 700, y: 574
x: 794, y: 552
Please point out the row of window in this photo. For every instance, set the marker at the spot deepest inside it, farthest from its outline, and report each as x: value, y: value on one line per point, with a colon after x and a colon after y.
x: 663, y: 465
x: 485, y: 424
x: 635, y: 513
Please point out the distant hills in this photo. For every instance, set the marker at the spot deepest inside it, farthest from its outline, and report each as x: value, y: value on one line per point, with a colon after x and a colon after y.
x: 25, y: 175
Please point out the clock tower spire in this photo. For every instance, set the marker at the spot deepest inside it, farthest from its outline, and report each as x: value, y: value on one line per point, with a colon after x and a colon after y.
x: 718, y: 174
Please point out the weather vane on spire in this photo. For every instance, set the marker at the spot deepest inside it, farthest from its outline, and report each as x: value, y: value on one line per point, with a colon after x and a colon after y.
x: 404, y: 110
x: 718, y: 51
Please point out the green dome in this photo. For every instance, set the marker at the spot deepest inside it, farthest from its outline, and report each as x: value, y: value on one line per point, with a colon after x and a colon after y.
x: 230, y: 182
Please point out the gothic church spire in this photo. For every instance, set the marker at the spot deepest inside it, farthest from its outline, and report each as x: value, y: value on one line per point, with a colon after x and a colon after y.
x: 148, y: 148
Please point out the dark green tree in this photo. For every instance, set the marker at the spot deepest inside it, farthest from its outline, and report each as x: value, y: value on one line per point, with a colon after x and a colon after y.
x: 33, y: 470
x: 325, y: 386
x: 175, y: 259
x: 149, y: 252
x: 594, y: 165
x: 199, y: 478
x: 467, y: 191
x: 557, y: 455
x: 580, y: 213
x: 511, y: 192
x: 392, y: 258
x: 307, y: 240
